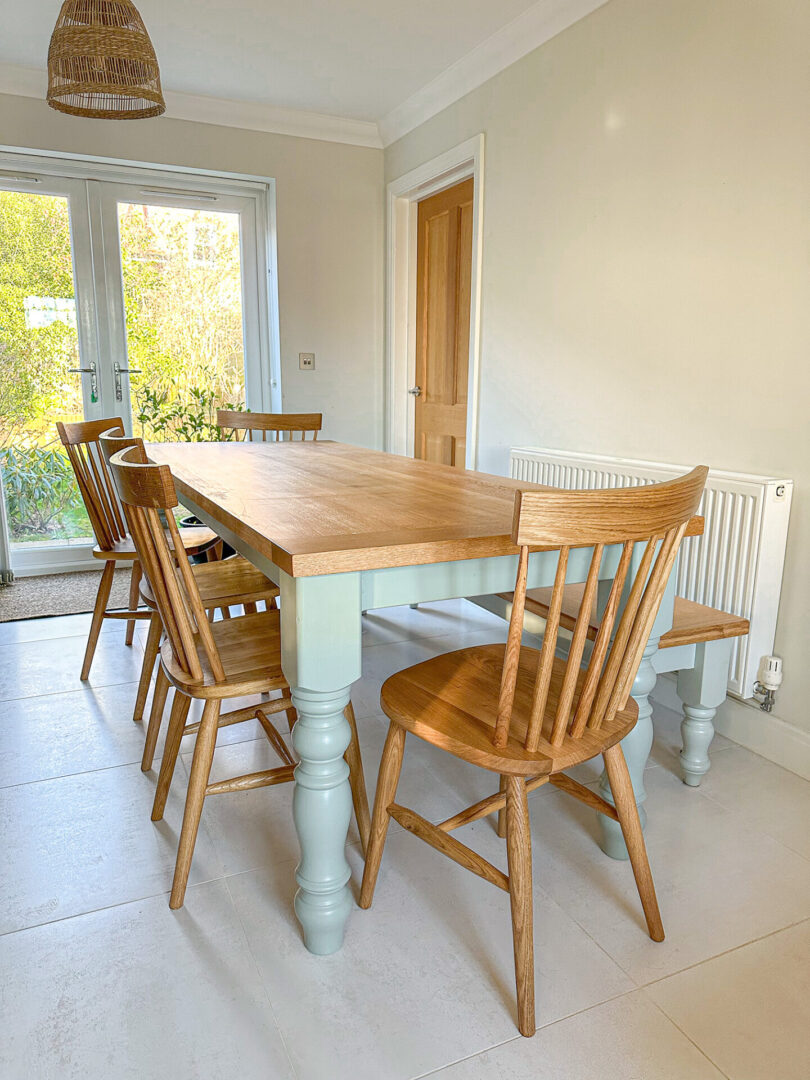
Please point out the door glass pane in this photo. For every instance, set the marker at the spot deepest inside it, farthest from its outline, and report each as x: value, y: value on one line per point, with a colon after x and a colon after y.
x: 38, y: 346
x: 183, y: 303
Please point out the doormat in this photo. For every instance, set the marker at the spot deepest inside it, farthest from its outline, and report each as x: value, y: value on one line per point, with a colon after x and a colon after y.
x: 60, y: 594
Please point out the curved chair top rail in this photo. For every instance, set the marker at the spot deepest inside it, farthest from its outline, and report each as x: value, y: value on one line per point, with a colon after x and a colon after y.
x: 81, y: 441
x: 277, y: 423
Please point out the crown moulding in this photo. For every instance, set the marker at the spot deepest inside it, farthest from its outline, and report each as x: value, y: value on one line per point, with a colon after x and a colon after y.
x: 537, y: 25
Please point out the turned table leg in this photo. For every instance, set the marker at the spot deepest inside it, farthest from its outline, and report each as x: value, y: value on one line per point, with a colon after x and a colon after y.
x: 322, y: 807
x: 321, y: 650
x: 701, y: 689
x: 636, y: 748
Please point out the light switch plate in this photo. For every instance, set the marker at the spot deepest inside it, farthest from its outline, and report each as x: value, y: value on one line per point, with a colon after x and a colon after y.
x: 306, y: 361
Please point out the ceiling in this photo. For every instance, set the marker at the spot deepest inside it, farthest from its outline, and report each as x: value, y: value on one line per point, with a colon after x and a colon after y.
x: 355, y: 59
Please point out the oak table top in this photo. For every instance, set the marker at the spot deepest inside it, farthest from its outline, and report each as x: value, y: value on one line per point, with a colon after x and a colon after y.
x: 327, y: 507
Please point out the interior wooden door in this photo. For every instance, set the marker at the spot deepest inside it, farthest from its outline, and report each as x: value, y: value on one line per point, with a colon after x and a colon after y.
x: 444, y: 268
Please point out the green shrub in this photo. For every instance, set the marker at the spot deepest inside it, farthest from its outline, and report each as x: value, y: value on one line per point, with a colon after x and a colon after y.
x: 40, y: 488
x: 192, y: 420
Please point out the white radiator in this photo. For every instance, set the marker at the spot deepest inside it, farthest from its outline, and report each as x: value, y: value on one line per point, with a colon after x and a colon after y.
x: 736, y: 565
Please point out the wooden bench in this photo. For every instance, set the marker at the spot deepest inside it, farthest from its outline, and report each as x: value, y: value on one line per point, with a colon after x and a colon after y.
x: 698, y: 647
x: 691, y: 622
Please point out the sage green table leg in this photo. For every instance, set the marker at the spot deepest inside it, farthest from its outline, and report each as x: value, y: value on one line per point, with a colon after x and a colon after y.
x: 702, y: 689
x: 321, y: 639
x: 322, y: 807
x: 638, y: 743
x: 636, y: 747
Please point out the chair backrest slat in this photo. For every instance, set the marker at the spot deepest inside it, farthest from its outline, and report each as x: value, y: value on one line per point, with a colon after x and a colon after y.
x: 576, y: 649
x: 600, y: 645
x: 192, y: 597
x: 81, y: 441
x: 148, y: 495
x: 512, y: 653
x: 589, y: 696
x: 622, y: 637
x: 547, y: 652
x: 279, y: 424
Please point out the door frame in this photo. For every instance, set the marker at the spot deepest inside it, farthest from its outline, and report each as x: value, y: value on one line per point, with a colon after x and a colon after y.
x: 402, y: 196
x: 46, y: 169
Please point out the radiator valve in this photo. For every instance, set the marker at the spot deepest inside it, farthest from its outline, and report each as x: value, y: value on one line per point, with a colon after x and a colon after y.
x: 770, y: 679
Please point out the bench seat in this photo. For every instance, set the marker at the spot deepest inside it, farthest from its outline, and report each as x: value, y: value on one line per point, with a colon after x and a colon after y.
x: 691, y: 622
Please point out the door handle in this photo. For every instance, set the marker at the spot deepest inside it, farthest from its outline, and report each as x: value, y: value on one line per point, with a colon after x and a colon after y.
x: 119, y: 371
x: 91, y: 371
x: 416, y: 391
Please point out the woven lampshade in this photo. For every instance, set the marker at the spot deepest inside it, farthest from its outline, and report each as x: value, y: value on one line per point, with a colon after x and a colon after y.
x: 101, y: 62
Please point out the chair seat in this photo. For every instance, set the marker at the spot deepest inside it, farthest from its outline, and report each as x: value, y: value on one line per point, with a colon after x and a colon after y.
x: 250, y: 651
x: 194, y: 539
x: 224, y: 584
x: 452, y: 702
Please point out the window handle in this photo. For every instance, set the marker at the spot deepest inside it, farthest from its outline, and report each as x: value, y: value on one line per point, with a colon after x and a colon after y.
x: 119, y: 371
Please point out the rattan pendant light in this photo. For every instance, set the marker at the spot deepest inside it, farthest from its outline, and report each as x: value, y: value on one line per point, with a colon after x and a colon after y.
x: 101, y: 62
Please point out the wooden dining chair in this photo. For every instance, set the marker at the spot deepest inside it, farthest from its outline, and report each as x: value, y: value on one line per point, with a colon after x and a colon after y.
x: 208, y: 661
x: 232, y: 582
x: 113, y: 544
x: 281, y: 426
x: 529, y: 715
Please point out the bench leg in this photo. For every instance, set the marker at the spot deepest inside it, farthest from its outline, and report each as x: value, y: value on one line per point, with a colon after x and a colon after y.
x: 701, y: 689
x: 636, y: 747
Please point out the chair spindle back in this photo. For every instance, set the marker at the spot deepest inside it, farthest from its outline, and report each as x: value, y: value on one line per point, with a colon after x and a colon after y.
x: 148, y: 494
x: 282, y: 426
x: 655, y: 515
x: 81, y: 440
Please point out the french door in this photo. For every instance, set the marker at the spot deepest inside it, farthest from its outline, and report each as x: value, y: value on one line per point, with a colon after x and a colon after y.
x: 122, y: 294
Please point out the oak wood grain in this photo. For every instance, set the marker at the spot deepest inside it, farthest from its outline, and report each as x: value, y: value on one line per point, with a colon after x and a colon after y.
x: 326, y: 507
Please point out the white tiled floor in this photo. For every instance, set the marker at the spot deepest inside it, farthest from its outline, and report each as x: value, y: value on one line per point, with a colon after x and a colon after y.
x: 99, y: 979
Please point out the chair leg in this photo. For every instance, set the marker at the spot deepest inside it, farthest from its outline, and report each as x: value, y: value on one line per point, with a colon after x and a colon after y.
x: 625, y: 801
x: 390, y: 767
x: 292, y: 716
x: 174, y: 736
x: 250, y: 608
x: 357, y: 781
x: 214, y: 552
x: 519, y: 859
x: 198, y: 781
x: 134, y: 599
x: 100, y: 606
x: 155, y: 718
x: 502, y: 812
x: 149, y: 657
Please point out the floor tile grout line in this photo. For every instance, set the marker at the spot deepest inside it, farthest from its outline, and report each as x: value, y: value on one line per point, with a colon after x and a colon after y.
x: 643, y: 985
x: 58, y: 693
x: 757, y: 827
x: 542, y: 1027
x: 468, y: 1057
x: 688, y: 1037
x: 102, y: 907
x: 84, y: 772
x: 725, y: 952
x: 120, y: 765
x: 261, y: 979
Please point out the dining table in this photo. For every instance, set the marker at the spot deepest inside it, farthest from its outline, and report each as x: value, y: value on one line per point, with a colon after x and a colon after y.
x: 343, y: 530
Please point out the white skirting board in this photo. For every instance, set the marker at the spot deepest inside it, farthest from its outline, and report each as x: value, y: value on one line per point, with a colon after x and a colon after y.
x: 747, y: 725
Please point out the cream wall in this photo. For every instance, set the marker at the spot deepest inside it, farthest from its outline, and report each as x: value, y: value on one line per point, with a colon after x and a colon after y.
x: 330, y: 221
x: 646, y: 288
